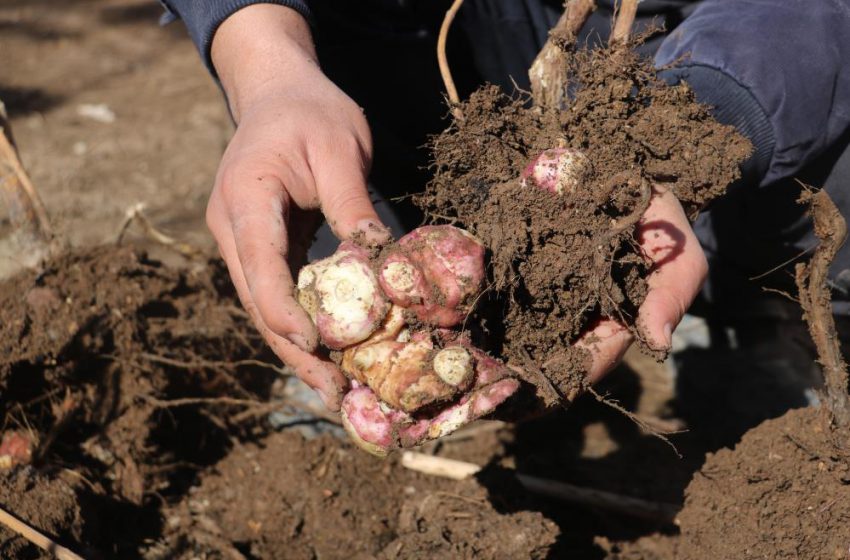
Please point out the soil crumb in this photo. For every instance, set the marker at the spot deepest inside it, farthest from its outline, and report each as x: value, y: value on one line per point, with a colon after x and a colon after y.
x: 558, y: 263
x: 783, y: 492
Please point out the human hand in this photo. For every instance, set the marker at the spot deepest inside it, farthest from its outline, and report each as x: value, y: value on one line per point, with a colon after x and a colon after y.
x: 665, y: 237
x: 301, y: 145
x: 679, y: 269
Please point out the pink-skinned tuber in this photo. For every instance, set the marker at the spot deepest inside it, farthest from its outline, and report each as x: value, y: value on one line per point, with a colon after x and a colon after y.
x: 436, y: 272
x: 378, y: 429
x: 407, y: 371
x: 557, y: 170
x: 342, y: 296
x: 362, y: 305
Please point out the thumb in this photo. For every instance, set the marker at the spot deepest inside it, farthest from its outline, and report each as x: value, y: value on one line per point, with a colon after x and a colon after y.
x: 680, y: 267
x: 345, y: 201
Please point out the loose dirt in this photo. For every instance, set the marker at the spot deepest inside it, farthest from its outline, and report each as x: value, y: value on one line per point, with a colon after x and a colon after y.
x: 331, y: 507
x: 560, y: 262
x: 135, y: 381
x: 783, y: 492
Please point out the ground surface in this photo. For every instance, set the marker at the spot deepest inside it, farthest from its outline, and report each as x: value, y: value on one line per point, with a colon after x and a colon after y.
x: 96, y: 351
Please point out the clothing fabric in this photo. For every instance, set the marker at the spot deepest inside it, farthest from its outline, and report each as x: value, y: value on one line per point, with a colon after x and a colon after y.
x: 772, y: 68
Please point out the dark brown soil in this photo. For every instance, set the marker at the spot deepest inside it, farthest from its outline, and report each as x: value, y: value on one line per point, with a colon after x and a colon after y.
x: 95, y: 353
x: 559, y: 263
x: 294, y: 499
x: 783, y: 492
x: 48, y: 502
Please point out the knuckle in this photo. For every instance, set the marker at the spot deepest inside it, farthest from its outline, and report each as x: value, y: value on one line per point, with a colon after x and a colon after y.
x: 340, y: 199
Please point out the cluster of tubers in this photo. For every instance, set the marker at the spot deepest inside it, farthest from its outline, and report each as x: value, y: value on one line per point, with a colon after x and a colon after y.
x: 392, y: 316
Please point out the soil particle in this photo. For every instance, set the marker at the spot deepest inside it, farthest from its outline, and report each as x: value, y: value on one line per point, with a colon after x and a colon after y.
x: 558, y: 263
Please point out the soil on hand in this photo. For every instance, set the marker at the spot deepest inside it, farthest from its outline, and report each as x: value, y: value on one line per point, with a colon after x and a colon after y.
x: 560, y: 262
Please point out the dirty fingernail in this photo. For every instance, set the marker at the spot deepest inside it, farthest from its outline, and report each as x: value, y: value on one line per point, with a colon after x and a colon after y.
x: 373, y: 232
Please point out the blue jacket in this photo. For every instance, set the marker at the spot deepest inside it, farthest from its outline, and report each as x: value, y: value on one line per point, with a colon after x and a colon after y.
x: 779, y: 70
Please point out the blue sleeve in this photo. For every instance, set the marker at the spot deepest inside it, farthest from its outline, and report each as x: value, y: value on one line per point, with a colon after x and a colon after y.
x: 202, y: 17
x: 777, y: 69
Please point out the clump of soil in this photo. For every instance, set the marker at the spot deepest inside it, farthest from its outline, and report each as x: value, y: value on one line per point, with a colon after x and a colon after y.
x: 96, y: 352
x: 783, y: 492
x: 560, y: 262
x: 291, y: 498
x: 48, y: 502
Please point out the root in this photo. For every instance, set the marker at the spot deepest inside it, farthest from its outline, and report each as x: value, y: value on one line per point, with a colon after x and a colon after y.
x: 136, y: 214
x: 217, y: 365
x: 639, y: 422
x: 831, y: 230
x: 548, y: 73
x: 629, y: 220
x: 443, y: 61
x: 25, y: 208
x: 623, y: 24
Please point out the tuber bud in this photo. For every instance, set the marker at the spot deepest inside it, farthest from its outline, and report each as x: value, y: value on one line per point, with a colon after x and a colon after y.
x: 436, y: 272
x: 557, y: 170
x: 342, y: 296
x: 408, y: 372
x: 377, y: 429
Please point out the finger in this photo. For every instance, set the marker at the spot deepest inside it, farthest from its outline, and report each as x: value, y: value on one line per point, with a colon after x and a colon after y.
x: 257, y: 210
x: 341, y: 184
x: 322, y: 376
x: 607, y: 342
x: 680, y: 267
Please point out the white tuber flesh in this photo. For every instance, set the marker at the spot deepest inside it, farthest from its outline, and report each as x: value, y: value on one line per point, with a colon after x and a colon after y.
x: 342, y: 296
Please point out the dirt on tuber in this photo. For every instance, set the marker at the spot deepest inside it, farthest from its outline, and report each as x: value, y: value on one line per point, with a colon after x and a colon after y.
x: 566, y: 255
x: 391, y: 313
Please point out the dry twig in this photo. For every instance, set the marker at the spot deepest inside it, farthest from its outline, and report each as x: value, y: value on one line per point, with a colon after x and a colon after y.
x: 831, y: 230
x: 136, y: 214
x: 25, y: 209
x: 548, y: 73
x: 438, y: 466
x: 36, y: 537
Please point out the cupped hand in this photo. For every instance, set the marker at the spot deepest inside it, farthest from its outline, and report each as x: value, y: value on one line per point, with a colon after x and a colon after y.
x: 301, y: 146
x: 679, y: 269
